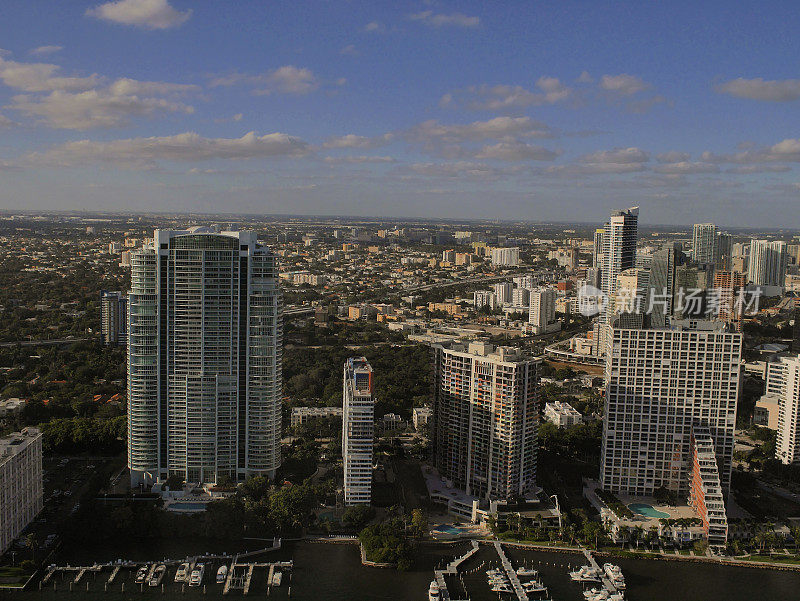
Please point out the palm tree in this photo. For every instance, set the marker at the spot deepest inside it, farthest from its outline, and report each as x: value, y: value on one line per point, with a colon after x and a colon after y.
x: 638, y: 531
x: 32, y: 543
x: 624, y: 534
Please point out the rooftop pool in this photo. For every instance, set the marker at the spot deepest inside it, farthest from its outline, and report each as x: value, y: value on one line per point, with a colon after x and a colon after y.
x: 647, y: 510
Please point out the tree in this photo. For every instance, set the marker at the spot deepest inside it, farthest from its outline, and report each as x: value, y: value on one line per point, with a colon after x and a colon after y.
x: 358, y: 516
x: 419, y: 522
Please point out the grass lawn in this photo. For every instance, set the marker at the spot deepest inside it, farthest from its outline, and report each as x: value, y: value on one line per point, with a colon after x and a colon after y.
x: 13, y: 577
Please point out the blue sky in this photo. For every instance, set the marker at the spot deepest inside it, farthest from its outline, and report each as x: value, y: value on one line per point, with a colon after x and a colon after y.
x: 551, y: 111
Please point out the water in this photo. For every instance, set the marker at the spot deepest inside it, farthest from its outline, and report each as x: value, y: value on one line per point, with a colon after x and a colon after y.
x: 647, y: 510
x: 333, y: 572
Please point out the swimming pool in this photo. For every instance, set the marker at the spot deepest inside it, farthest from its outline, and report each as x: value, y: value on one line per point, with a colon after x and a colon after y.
x: 448, y: 529
x: 647, y: 510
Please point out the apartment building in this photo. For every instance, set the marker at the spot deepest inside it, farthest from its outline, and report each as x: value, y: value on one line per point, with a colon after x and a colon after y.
x: 358, y: 431
x: 661, y: 383
x: 486, y: 419
x: 301, y: 415
x: 783, y: 388
x: 705, y: 491
x: 21, y: 486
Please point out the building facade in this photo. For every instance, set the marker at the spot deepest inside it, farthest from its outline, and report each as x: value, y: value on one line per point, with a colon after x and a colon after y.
x: 205, y: 339
x: 505, y: 257
x: 358, y: 431
x: 542, y: 311
x: 114, y: 317
x: 767, y: 263
x: 301, y: 415
x: 704, y: 241
x: 705, y: 491
x: 486, y: 419
x: 783, y: 385
x: 21, y: 484
x: 660, y: 383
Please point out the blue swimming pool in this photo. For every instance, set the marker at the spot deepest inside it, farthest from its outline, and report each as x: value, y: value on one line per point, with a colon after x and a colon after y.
x: 448, y: 529
x: 647, y: 510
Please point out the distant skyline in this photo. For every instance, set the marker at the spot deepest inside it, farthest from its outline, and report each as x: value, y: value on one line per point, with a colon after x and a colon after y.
x: 550, y: 111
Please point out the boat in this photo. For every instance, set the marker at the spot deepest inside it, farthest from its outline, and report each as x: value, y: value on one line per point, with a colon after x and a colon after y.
x: 277, y: 578
x: 183, y: 572
x: 141, y: 575
x: 523, y: 571
x: 534, y: 586
x: 196, y: 578
x: 495, y: 572
x: 614, y: 574
x: 502, y: 588
x: 433, y: 592
x: 158, y: 575
x: 222, y: 573
x: 585, y: 574
x: 595, y: 594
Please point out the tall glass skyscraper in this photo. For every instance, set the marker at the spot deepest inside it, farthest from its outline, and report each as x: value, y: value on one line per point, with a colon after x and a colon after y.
x: 205, y: 335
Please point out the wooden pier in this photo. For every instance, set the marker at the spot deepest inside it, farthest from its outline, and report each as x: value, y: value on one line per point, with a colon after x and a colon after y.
x: 511, y: 573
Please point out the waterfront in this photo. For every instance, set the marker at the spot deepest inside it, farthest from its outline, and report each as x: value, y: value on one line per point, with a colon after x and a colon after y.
x: 328, y: 572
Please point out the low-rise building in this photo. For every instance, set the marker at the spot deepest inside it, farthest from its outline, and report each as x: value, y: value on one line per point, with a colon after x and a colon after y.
x: 421, y: 416
x: 300, y: 415
x: 562, y: 414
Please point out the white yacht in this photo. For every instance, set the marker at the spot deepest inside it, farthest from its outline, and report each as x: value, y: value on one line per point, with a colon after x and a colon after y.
x: 585, y: 574
x: 433, y: 592
x: 534, y: 586
x: 595, y: 594
x: 222, y: 573
x: 277, y: 578
x: 502, y: 588
x: 183, y: 572
x: 523, y: 571
x: 157, y: 575
x: 614, y: 574
x: 196, y: 578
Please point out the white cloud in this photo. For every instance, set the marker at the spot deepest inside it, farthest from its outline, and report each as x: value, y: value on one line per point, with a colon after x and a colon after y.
x: 619, y: 156
x: 45, y: 50
x: 623, y: 84
x: 596, y: 168
x: 460, y: 169
x: 497, y: 128
x: 359, y: 159
x: 125, y: 86
x: 506, y: 97
x: 42, y: 77
x: 149, y: 14
x: 283, y: 80
x: 516, y: 151
x: 373, y: 26
x: 93, y: 108
x: 786, y: 151
x: 441, y: 20
x: 354, y: 141
x: 185, y: 147
x: 673, y: 156
x: 585, y: 77
x: 349, y: 50
x: 747, y: 169
x: 686, y: 168
x: 5, y: 121
x: 782, y: 90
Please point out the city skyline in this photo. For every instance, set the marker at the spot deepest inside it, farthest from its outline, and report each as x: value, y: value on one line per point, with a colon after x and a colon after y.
x: 532, y: 114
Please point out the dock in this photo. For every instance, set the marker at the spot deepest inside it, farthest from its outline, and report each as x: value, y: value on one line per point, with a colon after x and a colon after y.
x: 452, y: 570
x: 511, y: 573
x: 607, y: 584
x: 114, y: 573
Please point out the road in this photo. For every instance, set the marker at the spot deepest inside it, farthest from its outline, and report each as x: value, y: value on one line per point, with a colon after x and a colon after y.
x: 52, y: 342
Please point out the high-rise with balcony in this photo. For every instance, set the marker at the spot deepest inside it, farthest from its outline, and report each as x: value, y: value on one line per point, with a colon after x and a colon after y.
x: 619, y: 249
x: 660, y: 384
x: 704, y: 242
x: 205, y: 337
x: 358, y: 431
x: 114, y: 318
x: 21, y: 484
x: 767, y: 263
x: 783, y: 385
x: 486, y: 419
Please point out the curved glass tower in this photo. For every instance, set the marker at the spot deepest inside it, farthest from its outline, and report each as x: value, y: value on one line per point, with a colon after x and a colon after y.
x: 204, y: 358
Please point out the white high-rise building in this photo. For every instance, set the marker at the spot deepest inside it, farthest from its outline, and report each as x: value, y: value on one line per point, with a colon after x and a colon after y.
x: 358, y: 431
x: 21, y: 485
x: 767, y: 263
x: 660, y: 384
x: 205, y: 340
x: 542, y: 312
x: 505, y: 257
x: 521, y: 297
x: 486, y: 419
x: 704, y: 242
x: 503, y: 292
x: 783, y: 384
x: 619, y: 248
x: 483, y: 298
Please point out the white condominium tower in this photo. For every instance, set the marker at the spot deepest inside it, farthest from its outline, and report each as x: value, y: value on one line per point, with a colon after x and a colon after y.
x: 358, y: 425
x: 783, y: 384
x: 704, y: 242
x: 542, y: 311
x: 486, y: 419
x: 21, y: 486
x: 767, y: 263
x: 505, y: 257
x: 205, y: 330
x: 619, y: 248
x: 660, y: 384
